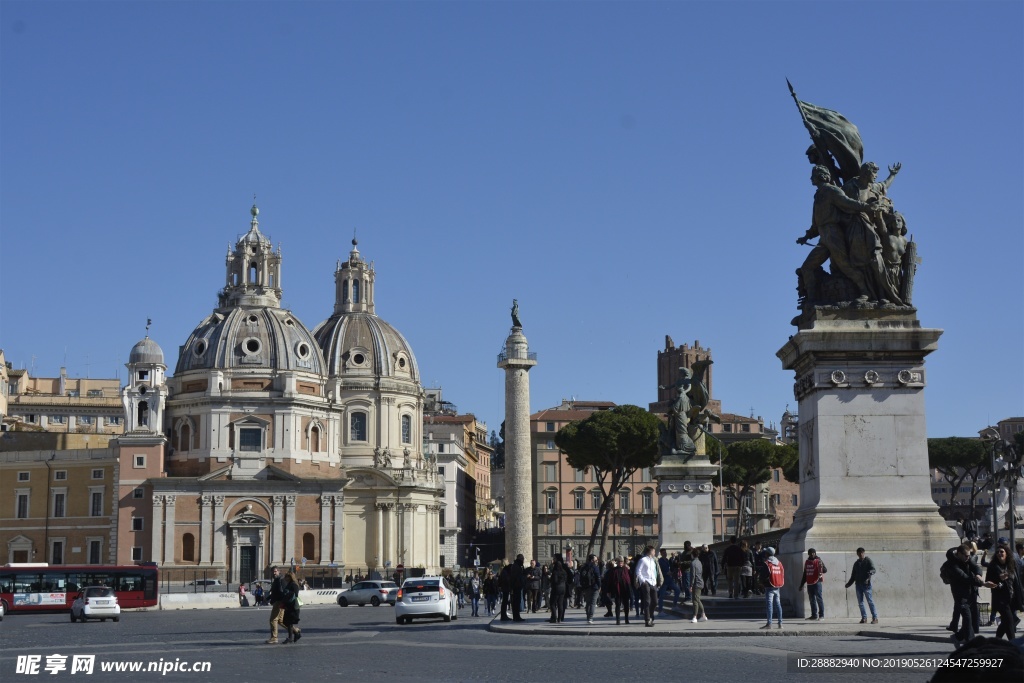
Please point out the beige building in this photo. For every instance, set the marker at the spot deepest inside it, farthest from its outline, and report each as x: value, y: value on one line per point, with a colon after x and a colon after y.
x: 61, y: 405
x: 566, y: 500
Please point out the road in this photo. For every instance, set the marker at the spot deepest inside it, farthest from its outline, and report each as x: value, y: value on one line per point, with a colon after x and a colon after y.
x: 364, y: 644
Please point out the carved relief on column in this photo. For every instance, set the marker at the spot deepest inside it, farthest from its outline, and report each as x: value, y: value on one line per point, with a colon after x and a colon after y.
x: 289, y: 529
x: 157, y: 543
x: 277, y: 532
x: 205, y: 530
x: 169, y: 502
x: 220, y: 538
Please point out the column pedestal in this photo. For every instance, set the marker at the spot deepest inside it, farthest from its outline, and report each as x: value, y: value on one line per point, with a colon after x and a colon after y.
x: 684, y: 501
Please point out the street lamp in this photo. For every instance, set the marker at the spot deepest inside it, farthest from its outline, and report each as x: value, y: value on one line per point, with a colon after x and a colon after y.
x: 721, y: 480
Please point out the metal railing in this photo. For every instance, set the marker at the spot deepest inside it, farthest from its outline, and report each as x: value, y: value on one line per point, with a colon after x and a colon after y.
x: 517, y: 355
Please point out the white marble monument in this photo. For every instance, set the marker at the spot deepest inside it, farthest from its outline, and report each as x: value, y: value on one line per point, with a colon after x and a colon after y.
x: 684, y: 499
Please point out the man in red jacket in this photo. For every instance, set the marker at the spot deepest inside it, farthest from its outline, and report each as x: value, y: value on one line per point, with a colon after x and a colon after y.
x: 814, y: 574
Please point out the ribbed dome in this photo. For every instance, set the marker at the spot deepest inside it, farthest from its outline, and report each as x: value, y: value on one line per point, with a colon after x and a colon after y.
x: 250, y: 337
x: 356, y: 344
x: 146, y: 351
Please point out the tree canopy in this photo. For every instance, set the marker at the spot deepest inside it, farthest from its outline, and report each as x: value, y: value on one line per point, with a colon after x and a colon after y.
x: 615, y: 443
x: 961, y: 461
x: 749, y: 463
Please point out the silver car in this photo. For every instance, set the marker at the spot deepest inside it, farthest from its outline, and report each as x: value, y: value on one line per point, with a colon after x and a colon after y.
x: 369, y: 592
x: 425, y: 597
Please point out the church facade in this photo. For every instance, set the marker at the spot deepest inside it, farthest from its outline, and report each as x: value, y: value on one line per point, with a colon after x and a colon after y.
x: 280, y: 444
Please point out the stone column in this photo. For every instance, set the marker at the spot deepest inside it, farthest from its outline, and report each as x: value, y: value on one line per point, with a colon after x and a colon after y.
x: 205, y: 530
x: 169, y: 530
x: 339, y: 530
x: 380, y: 533
x: 289, y: 529
x: 516, y: 360
x: 392, y: 543
x: 326, y: 503
x: 277, y: 532
x: 864, y: 475
x: 220, y: 531
x: 157, y: 548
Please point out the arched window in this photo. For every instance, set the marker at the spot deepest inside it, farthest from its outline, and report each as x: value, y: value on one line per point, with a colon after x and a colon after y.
x: 252, y: 273
x: 355, y: 291
x: 188, y: 548
x: 314, y: 439
x: 344, y: 292
x: 143, y: 414
x: 309, y: 547
x: 357, y: 427
x: 406, y: 429
x: 185, y: 439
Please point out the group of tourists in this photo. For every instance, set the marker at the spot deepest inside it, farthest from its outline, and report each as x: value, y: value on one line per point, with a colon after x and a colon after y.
x: 285, y: 603
x: 966, y: 571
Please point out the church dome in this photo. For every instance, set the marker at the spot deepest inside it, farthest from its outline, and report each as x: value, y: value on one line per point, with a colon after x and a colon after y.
x: 146, y: 351
x: 250, y: 338
x: 360, y: 343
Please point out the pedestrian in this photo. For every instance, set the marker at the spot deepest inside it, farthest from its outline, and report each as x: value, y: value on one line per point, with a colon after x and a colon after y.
x: 517, y: 579
x: 533, y: 587
x: 474, y: 587
x: 814, y: 576
x: 1000, y: 578
x: 665, y: 565
x: 606, y: 586
x: 545, y: 587
x: 590, y: 583
x: 620, y: 587
x: 505, y: 586
x: 647, y: 583
x: 559, y: 578
x: 696, y: 584
x: 733, y: 559
x: 758, y: 569
x: 291, y: 603
x: 258, y: 594
x: 683, y: 570
x: 774, y: 579
x: 963, y: 582
x: 276, y: 608
x: 460, y: 589
x: 860, y: 577
x: 747, y: 568
x: 243, y: 600
x: 709, y: 563
x: 490, y: 592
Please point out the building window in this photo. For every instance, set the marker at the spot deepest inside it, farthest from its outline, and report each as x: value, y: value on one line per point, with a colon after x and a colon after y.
x: 95, y: 551
x: 140, y: 461
x: 777, y: 498
x: 551, y: 500
x: 550, y: 444
x: 440, y: 517
x: 357, y: 429
x: 59, y: 500
x: 60, y: 475
x: 139, y: 493
x: 96, y: 504
x: 775, y: 475
x: 794, y: 499
x: 645, y: 474
x: 624, y: 501
x: 24, y: 476
x: 250, y: 439
x: 727, y: 428
x: 580, y: 528
x: 730, y: 500
x: 97, y: 474
x: 355, y: 291
x: 94, y: 392
x: 577, y: 499
x: 549, y: 472
x: 649, y: 527
x: 85, y: 420
x: 188, y: 548
x: 21, y: 505
x: 746, y: 427
x: 113, y: 420
x: 578, y: 475
x: 406, y: 429
x: 440, y: 472
x: 550, y: 426
x: 648, y: 498
x: 58, y: 419
x: 625, y: 528
x: 596, y: 498
x: 138, y: 524
x: 143, y: 375
x: 136, y: 553
x: 553, y: 529
x: 57, y: 552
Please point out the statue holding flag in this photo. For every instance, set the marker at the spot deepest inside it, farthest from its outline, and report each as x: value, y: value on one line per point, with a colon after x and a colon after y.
x: 860, y: 233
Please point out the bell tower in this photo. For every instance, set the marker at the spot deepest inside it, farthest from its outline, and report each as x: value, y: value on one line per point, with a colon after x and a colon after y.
x: 353, y: 284
x: 146, y: 393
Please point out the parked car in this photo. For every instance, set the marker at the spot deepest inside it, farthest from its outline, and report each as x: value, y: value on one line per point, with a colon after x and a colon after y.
x: 372, y: 592
x: 206, y: 582
x: 96, y: 602
x: 424, y: 597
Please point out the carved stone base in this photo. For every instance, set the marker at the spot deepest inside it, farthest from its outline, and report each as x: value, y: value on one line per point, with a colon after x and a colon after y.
x: 684, y: 501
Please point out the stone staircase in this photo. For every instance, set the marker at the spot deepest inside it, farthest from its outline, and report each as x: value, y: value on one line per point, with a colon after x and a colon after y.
x: 723, y: 607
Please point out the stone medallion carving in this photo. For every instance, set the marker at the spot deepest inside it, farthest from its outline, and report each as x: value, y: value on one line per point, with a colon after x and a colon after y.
x: 872, y: 377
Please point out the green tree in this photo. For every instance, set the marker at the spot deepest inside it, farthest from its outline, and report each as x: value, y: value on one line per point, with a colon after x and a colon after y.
x: 614, y: 443
x: 960, y: 460
x: 749, y: 463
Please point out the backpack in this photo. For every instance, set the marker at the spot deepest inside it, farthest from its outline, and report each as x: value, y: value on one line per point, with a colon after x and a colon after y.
x: 944, y: 573
x: 587, y: 577
x: 776, y: 574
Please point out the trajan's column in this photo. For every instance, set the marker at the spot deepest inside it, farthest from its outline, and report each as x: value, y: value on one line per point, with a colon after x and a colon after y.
x: 516, y: 360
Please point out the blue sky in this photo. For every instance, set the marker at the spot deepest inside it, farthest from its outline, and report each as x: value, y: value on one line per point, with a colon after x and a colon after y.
x: 626, y: 170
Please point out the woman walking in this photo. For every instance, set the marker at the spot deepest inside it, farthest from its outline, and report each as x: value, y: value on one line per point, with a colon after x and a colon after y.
x: 1000, y: 578
x: 291, y: 608
x: 559, y: 579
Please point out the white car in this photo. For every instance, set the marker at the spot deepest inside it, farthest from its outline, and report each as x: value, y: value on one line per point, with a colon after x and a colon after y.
x: 426, y: 597
x: 96, y: 602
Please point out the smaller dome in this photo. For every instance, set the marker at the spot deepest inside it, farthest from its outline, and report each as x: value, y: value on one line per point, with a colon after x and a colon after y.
x: 146, y: 351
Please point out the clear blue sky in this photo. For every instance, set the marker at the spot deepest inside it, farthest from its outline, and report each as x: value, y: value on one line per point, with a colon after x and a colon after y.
x: 626, y: 170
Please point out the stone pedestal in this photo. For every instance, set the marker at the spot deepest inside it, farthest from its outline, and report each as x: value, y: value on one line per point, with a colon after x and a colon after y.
x: 684, y: 500
x: 864, y: 476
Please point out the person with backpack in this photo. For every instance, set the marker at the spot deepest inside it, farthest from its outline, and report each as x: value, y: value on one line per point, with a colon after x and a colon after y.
x: 860, y: 576
x: 964, y: 583
x: 814, y: 576
x: 774, y: 579
x: 460, y: 590
x: 590, y: 584
x: 559, y: 578
x: 474, y: 588
x: 733, y: 559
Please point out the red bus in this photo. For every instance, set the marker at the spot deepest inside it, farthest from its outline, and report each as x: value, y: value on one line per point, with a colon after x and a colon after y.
x: 41, y: 587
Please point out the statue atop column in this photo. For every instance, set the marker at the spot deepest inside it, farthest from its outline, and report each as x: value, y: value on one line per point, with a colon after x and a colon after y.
x: 515, y: 314
x: 688, y: 415
x: 859, y: 231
